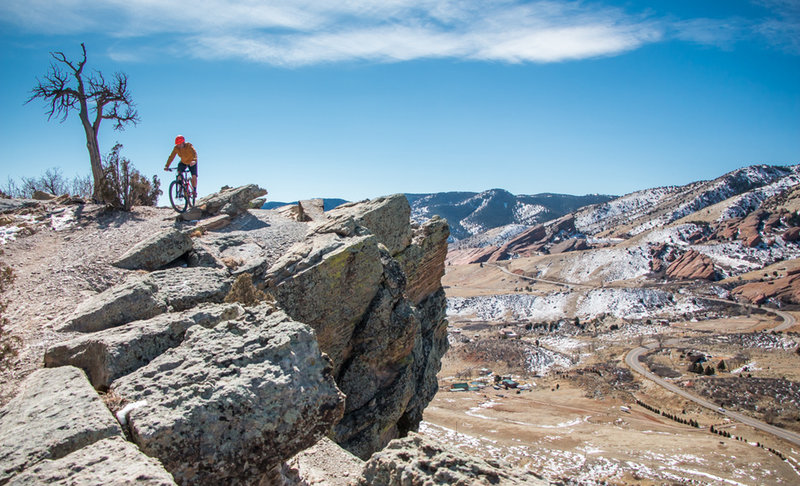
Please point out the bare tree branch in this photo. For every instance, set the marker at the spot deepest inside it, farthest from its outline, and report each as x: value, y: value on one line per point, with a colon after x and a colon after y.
x: 70, y: 89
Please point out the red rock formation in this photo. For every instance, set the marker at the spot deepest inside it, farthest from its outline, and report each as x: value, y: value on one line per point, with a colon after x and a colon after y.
x: 748, y: 228
x: 692, y: 265
x: 470, y: 255
x: 792, y: 234
x: 572, y: 244
x: 786, y: 289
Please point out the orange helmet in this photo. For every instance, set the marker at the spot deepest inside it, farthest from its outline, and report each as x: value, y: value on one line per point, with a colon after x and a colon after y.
x: 179, y: 140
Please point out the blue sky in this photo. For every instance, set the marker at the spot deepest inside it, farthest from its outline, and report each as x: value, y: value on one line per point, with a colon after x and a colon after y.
x: 359, y: 98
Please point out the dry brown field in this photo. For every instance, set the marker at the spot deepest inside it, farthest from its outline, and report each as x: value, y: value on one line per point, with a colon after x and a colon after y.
x: 580, y: 425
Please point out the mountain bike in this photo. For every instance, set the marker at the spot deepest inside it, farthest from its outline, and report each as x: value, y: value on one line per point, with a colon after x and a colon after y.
x: 181, y: 192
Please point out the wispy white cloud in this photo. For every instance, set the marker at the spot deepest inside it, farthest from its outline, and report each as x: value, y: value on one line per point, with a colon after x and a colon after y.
x: 303, y: 32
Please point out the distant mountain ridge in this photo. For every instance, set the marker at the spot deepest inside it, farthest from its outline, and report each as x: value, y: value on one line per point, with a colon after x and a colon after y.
x: 471, y: 213
x: 744, y: 204
x: 640, y: 211
x: 328, y: 203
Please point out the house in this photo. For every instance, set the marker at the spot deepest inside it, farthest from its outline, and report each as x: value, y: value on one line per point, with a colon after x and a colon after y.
x: 508, y: 333
x: 457, y: 387
x: 509, y: 383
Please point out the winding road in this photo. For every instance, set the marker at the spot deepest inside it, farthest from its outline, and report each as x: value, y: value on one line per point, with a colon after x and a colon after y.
x: 632, y: 360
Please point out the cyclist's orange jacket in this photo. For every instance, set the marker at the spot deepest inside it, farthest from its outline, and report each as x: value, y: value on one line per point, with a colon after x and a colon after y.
x: 186, y: 153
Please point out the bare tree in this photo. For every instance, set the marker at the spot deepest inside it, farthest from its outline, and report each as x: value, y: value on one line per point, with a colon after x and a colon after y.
x: 66, y: 87
x: 53, y: 182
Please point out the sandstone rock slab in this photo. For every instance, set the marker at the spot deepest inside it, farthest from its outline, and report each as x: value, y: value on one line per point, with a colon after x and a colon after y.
x: 328, y: 283
x: 156, y: 251
x: 231, y: 201
x: 233, y: 401
x: 57, y: 413
x: 421, y: 461
x: 572, y: 244
x: 386, y: 217
x: 423, y: 260
x: 692, y: 265
x: 141, y: 297
x: 109, y: 354
x: 108, y: 461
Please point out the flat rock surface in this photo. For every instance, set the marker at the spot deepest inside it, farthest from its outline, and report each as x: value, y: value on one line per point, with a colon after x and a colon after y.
x: 109, y: 354
x: 421, y: 461
x: 57, y: 413
x: 233, y: 401
x: 108, y: 461
x: 156, y: 251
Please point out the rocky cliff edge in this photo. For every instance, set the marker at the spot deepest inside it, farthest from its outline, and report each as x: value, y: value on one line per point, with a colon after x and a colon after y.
x: 341, y: 335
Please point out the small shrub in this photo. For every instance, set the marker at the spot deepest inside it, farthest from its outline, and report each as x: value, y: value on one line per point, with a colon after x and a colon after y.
x: 244, y: 292
x: 123, y: 186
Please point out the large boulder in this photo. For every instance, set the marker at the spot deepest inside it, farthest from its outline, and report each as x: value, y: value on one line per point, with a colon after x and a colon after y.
x: 385, y: 217
x: 572, y: 244
x: 329, y: 282
x: 231, y: 201
x: 108, y: 461
x: 234, y: 401
x: 421, y: 461
x: 57, y: 413
x: 145, y: 296
x: 109, y: 354
x: 156, y: 251
x: 692, y: 265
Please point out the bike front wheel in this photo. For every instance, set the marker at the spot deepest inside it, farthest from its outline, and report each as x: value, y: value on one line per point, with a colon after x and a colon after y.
x: 177, y: 197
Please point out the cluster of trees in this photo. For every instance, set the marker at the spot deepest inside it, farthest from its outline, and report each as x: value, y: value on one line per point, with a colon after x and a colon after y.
x: 52, y: 182
x: 68, y: 88
x: 697, y: 367
x: 681, y: 420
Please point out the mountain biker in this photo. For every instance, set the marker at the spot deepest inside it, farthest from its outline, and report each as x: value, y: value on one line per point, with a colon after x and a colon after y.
x: 188, y: 157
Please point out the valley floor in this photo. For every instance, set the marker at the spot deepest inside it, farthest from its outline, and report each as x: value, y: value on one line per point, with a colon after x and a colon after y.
x: 582, y: 416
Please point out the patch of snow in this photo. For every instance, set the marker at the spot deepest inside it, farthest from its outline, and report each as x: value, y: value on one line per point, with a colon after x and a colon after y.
x: 63, y: 220
x: 528, y: 213
x: 509, y: 306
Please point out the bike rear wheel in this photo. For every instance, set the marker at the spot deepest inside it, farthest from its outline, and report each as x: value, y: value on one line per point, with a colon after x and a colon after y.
x: 177, y: 196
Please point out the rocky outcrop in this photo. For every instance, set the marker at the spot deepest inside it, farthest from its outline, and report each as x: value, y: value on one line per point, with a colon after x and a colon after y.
x: 113, y: 353
x: 785, y: 290
x: 145, y: 296
x: 43, y: 196
x: 530, y: 242
x: 421, y: 461
x: 792, y: 234
x: 423, y: 260
x: 310, y: 282
x: 57, y: 413
x: 387, y: 337
x: 156, y: 251
x: 232, y: 401
x: 692, y: 265
x: 231, y: 201
x: 386, y: 217
x: 572, y: 244
x: 224, y: 393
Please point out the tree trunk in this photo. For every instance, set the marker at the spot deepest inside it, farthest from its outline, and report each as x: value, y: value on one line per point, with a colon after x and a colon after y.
x: 94, y: 152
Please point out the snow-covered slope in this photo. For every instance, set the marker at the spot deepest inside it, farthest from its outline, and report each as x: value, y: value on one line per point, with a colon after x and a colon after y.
x: 651, y: 208
x: 470, y: 213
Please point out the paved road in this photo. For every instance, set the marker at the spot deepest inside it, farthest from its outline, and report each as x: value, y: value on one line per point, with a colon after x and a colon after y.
x: 632, y: 360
